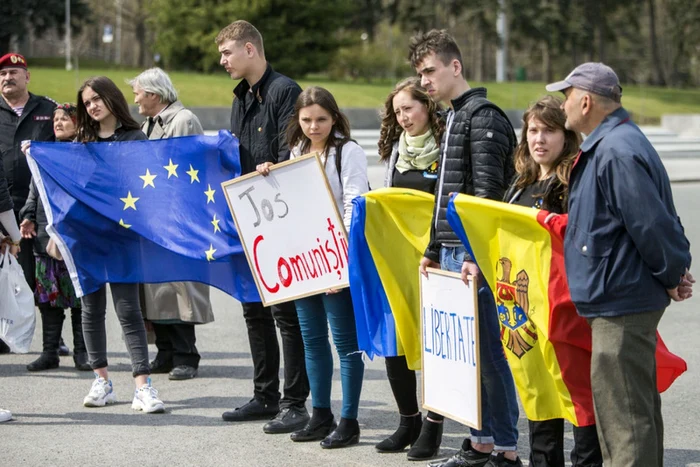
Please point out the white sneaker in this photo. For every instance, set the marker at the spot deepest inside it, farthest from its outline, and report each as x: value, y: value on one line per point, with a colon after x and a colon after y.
x: 5, y: 415
x: 101, y: 393
x: 146, y: 399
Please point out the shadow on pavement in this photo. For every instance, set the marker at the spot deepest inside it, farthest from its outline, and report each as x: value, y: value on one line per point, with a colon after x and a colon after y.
x: 681, y: 457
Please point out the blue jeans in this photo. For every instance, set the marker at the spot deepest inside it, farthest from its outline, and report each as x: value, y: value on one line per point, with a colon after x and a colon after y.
x: 315, y: 314
x: 499, y: 406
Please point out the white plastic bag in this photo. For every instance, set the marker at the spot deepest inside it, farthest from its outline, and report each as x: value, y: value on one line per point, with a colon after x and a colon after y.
x: 17, y: 317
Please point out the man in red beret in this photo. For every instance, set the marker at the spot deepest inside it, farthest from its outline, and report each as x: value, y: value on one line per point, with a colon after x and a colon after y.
x: 23, y: 116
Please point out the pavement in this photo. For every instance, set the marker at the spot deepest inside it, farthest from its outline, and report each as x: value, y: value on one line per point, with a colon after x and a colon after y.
x: 52, y: 428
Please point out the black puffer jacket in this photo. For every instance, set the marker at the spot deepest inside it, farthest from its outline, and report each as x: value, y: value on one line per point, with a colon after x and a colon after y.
x: 35, y: 124
x: 259, y: 118
x: 476, y: 159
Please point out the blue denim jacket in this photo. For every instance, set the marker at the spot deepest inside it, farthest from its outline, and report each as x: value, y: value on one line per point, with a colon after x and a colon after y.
x: 624, y: 244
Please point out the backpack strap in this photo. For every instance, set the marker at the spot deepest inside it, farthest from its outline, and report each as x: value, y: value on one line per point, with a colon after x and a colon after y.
x: 339, y: 161
x: 483, y: 103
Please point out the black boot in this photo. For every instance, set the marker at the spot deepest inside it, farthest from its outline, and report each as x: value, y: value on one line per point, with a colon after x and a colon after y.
x: 347, y: 434
x: 80, y: 356
x: 63, y: 350
x: 46, y: 361
x: 428, y: 443
x: 407, y: 433
x: 317, y: 428
x: 51, y: 327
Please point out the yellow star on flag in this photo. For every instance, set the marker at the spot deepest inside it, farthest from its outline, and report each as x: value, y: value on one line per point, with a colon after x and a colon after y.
x: 129, y: 202
x: 171, y: 168
x: 126, y: 226
x: 148, y: 179
x: 215, y: 223
x: 210, y: 252
x: 193, y: 174
x: 210, y: 194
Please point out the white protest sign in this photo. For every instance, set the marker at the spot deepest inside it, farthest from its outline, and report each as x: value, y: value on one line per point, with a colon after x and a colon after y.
x: 450, y: 357
x: 291, y: 230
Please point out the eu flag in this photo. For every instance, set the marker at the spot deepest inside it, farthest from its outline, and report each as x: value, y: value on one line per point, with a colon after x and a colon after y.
x: 144, y: 211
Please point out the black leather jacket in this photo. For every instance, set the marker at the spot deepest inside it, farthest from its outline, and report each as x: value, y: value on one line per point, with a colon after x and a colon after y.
x: 476, y: 159
x: 259, y: 118
x: 35, y: 124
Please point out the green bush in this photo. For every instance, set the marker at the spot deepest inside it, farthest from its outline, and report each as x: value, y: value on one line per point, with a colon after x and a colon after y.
x: 367, y: 62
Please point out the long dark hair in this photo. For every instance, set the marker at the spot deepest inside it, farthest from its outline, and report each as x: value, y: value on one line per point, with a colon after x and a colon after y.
x: 340, y: 133
x: 114, y: 100
x: 548, y: 111
x: 391, y: 130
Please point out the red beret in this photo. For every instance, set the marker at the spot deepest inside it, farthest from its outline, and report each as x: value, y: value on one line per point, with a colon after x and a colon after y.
x: 13, y: 60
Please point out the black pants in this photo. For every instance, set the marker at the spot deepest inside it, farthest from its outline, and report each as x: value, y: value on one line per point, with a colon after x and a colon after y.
x: 547, y: 445
x: 403, y: 384
x: 26, y: 259
x: 126, y: 303
x: 265, y: 351
x: 176, y: 344
x: 52, y: 326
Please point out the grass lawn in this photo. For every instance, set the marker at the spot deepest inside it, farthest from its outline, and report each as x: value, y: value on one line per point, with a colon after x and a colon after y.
x: 646, y: 103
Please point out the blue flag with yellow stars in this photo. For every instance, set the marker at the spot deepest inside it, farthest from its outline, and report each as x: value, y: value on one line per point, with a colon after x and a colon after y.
x: 144, y: 211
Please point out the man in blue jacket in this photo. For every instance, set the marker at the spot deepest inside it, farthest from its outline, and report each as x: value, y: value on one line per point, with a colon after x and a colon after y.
x: 626, y: 257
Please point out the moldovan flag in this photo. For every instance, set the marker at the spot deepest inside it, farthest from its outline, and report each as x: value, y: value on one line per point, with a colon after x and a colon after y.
x: 548, y: 345
x: 389, y: 233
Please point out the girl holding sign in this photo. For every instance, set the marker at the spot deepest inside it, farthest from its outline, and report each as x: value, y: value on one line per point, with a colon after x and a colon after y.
x: 409, y: 145
x: 318, y: 126
x: 543, y: 161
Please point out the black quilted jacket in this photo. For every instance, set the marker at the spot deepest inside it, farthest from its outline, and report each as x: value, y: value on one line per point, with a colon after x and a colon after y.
x: 477, y: 159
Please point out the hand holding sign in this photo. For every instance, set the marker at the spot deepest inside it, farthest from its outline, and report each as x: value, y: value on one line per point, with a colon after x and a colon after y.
x: 450, y: 358
x: 291, y: 230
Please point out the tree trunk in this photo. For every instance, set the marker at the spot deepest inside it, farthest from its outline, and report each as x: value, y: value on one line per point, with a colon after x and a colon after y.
x: 479, y: 57
x: 5, y: 42
x: 600, y: 31
x: 547, y: 73
x: 656, y: 65
x: 371, y: 19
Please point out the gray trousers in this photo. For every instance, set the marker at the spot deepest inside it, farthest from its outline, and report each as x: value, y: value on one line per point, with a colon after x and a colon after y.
x: 126, y: 303
x: 626, y: 401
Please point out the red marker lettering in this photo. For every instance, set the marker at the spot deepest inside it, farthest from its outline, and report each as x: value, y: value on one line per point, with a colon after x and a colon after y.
x: 257, y: 241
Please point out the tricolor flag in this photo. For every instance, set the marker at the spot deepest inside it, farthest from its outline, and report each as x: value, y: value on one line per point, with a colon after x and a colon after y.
x: 144, y: 211
x: 548, y: 345
x: 389, y: 233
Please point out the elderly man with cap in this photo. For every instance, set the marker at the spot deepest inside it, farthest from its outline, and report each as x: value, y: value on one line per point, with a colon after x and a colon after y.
x: 173, y: 308
x: 626, y: 257
x: 23, y: 116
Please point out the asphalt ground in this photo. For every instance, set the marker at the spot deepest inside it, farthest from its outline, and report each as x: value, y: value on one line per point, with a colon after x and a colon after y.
x: 52, y: 428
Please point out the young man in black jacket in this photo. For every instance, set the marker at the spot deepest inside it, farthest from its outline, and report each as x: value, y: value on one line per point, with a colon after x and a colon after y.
x: 23, y: 116
x: 477, y: 159
x: 263, y: 103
